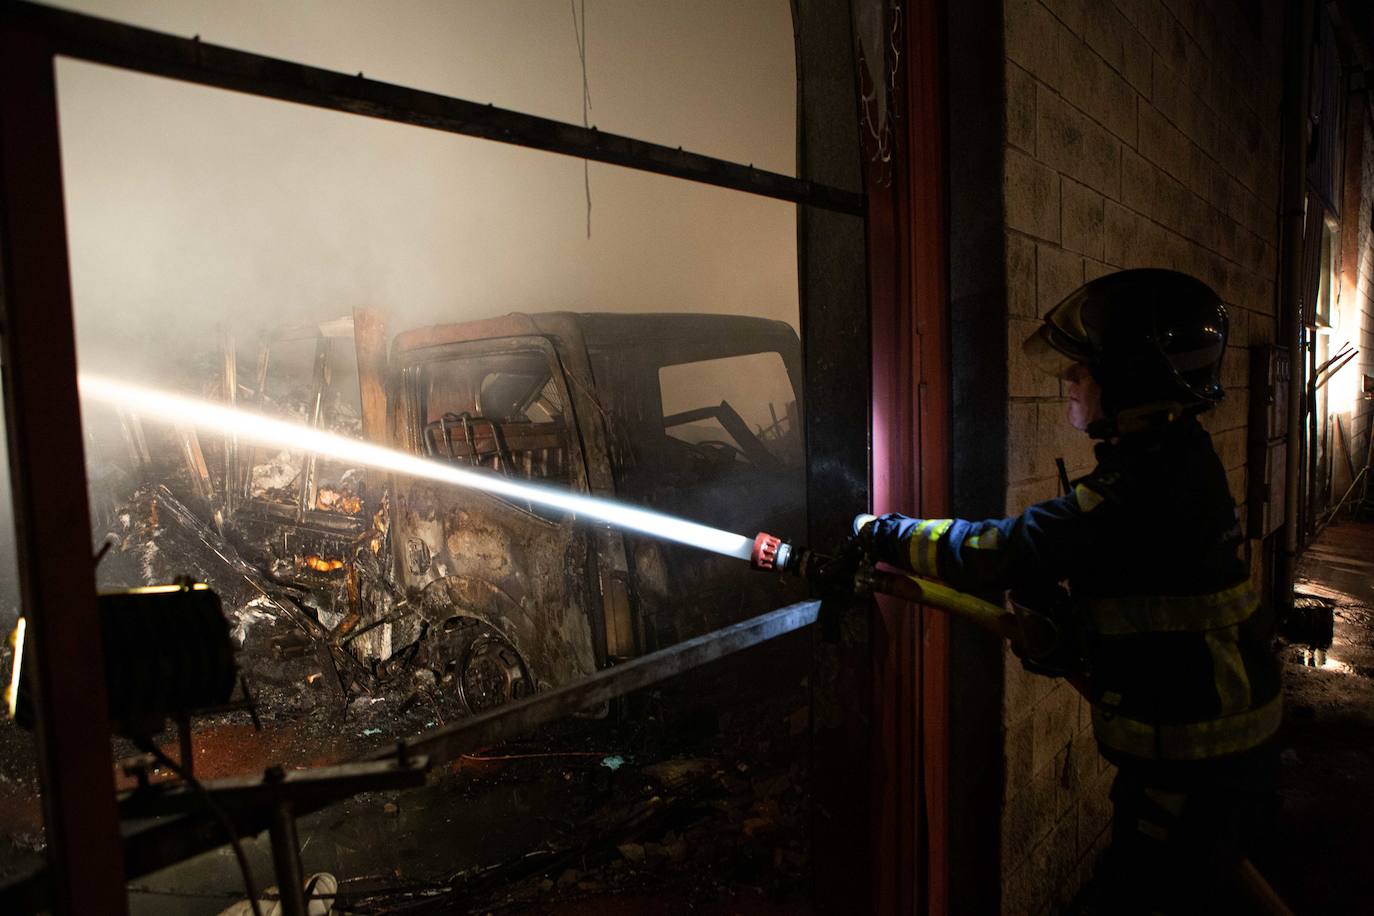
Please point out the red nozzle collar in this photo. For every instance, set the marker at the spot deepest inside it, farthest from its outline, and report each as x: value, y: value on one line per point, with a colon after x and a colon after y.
x: 765, y: 553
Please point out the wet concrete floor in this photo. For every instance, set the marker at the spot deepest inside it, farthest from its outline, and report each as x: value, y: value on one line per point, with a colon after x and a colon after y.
x: 690, y: 798
x: 1326, y: 837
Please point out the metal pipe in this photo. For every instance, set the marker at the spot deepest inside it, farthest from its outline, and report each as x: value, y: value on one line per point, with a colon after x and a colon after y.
x: 1337, y: 508
x: 310, y: 459
x: 231, y: 442
x: 512, y: 719
x: 104, y: 41
x: 1347, y: 350
x: 1295, y: 182
x: 286, y: 860
x: 1332, y: 370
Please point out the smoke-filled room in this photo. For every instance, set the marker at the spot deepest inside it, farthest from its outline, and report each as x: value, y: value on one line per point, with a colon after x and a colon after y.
x: 623, y: 456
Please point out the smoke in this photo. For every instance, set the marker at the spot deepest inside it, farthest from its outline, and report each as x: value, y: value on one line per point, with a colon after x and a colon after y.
x: 191, y: 209
x: 262, y: 430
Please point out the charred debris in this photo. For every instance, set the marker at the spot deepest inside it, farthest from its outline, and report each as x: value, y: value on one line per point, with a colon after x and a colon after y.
x: 351, y: 592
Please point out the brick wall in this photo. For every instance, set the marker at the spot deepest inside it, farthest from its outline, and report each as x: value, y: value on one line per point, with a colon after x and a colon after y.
x: 1139, y: 133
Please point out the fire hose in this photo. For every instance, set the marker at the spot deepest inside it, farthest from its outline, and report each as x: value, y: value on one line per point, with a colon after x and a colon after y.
x: 852, y: 572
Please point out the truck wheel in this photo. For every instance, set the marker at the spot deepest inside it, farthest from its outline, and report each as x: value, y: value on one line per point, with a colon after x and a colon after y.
x: 491, y: 673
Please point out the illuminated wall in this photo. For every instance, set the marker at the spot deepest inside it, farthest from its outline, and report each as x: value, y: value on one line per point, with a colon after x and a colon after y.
x: 1138, y: 135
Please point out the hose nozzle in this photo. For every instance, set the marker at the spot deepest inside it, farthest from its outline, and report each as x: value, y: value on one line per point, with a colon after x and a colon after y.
x: 770, y: 553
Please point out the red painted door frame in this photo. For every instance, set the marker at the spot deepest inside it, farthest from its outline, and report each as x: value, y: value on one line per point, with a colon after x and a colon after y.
x: 911, y: 432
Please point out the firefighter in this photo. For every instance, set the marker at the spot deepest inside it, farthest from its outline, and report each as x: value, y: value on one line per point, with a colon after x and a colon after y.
x: 1136, y: 573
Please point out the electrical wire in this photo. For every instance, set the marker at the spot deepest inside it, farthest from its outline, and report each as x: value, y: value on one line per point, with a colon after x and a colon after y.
x: 248, y: 884
x: 580, y: 35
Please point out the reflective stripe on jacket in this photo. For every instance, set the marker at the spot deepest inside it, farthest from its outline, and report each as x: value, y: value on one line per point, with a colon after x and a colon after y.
x: 1177, y: 654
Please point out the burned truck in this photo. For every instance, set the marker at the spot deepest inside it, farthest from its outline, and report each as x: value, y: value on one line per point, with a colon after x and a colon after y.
x: 487, y: 598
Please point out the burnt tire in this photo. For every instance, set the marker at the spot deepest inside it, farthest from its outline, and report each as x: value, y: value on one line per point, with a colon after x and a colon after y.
x: 490, y: 673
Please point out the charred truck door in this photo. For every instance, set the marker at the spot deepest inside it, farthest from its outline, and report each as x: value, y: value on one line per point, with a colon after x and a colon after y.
x: 501, y: 585
x: 705, y: 423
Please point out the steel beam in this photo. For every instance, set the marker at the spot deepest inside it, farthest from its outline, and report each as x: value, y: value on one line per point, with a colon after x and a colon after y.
x: 833, y: 293
x: 63, y: 661
x: 513, y: 719
x: 145, y: 51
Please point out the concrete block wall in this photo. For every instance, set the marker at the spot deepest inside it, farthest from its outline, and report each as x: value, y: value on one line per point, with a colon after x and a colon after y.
x: 1139, y: 133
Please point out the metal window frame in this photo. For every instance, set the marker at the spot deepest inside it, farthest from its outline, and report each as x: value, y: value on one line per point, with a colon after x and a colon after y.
x: 39, y: 358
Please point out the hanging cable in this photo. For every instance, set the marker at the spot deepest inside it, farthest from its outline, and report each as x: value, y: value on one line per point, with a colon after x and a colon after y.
x: 248, y: 884
x: 580, y: 36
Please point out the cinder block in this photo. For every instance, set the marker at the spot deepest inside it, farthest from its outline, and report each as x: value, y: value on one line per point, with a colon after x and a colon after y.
x: 1057, y: 439
x: 1055, y: 719
x: 1175, y: 208
x: 1081, y: 218
x: 1128, y: 9
x: 1031, y: 36
x: 1073, y: 13
x: 1229, y: 238
x: 1257, y: 255
x: 1027, y: 819
x: 1058, y: 273
x: 1031, y: 190
x: 1017, y: 744
x: 1020, y: 108
x: 1137, y: 61
x: 1064, y: 855
x: 1164, y: 144
x: 1173, y: 96
x: 1263, y: 329
x: 1018, y: 687
x: 1180, y: 51
x: 1082, y: 756
x: 1137, y: 183
x: 1072, y: 143
x: 1094, y: 810
x: 1024, y: 379
x: 1148, y: 18
x: 1230, y: 446
x: 1104, y: 30
x: 1120, y: 233
x: 1207, y: 179
x: 1269, y: 258
x: 1028, y: 888
x: 1028, y: 493
x: 1091, y: 85
x: 1154, y: 246
x: 1021, y: 289
x: 1254, y: 212
x: 1094, y: 269
x: 1022, y: 462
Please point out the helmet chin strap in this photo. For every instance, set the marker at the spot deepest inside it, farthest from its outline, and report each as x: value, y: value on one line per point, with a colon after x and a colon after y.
x: 1138, y: 419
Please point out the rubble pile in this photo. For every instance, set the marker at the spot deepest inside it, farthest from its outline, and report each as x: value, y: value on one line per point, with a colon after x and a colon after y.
x: 703, y: 801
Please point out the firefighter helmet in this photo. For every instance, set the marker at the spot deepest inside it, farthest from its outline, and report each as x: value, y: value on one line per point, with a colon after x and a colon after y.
x: 1147, y: 335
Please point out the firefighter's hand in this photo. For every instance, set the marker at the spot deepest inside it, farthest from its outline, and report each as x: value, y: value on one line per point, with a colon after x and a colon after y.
x: 878, y: 535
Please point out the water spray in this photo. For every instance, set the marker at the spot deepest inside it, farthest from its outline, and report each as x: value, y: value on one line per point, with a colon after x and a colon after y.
x: 840, y: 576
x: 269, y: 431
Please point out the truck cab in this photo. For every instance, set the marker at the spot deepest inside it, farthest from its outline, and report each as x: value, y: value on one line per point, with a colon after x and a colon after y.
x: 493, y: 598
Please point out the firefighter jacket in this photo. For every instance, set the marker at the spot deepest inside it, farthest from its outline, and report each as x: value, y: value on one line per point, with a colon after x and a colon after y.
x: 1177, y: 658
